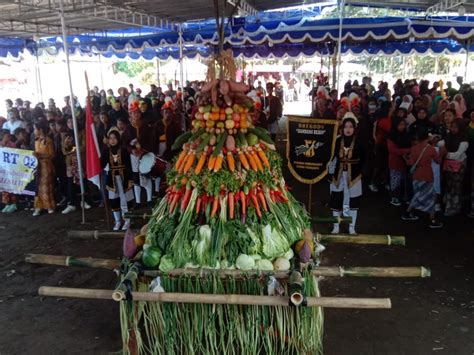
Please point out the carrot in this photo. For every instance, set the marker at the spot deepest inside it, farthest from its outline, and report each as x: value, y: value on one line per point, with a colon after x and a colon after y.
x: 218, y: 163
x: 215, y: 206
x: 263, y: 158
x: 230, y: 161
x: 189, y: 162
x: 257, y: 161
x: 174, y: 203
x: 184, y: 203
x: 198, y: 205
x: 200, y: 164
x: 243, y: 160
x: 244, y: 206
x: 262, y: 200
x: 252, y: 162
x: 272, y: 196
x: 181, y: 157
x: 211, y: 162
x: 255, y: 204
x: 230, y: 199
x: 181, y: 167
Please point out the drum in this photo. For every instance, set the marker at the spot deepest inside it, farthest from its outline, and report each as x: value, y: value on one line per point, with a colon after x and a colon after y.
x: 152, y: 166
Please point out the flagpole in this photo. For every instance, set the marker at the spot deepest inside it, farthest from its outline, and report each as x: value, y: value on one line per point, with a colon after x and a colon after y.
x: 73, y: 113
x: 101, y: 178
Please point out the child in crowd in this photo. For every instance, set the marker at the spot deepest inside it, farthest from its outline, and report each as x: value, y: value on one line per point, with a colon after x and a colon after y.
x: 398, y: 143
x: 454, y: 167
x: 420, y: 158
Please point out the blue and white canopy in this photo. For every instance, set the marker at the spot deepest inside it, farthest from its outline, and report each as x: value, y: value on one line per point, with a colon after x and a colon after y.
x: 257, y: 36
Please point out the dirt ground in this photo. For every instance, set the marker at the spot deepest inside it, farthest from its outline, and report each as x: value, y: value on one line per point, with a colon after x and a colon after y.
x: 434, y: 315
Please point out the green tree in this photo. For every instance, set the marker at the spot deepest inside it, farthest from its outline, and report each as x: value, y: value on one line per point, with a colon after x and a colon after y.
x: 131, y: 69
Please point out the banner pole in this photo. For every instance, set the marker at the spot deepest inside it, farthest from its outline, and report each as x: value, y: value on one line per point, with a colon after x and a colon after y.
x: 310, y: 198
x: 73, y: 113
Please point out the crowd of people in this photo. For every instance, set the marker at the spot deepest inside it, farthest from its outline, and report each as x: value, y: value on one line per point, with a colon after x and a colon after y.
x: 415, y: 141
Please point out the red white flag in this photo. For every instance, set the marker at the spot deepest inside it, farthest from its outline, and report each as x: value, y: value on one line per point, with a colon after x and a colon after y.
x: 93, y: 168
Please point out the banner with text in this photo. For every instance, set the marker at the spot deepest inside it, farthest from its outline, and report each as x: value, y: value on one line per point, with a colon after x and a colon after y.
x: 309, y: 147
x: 17, y: 171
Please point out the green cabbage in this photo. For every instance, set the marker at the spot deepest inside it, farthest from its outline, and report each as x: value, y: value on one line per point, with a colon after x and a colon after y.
x: 274, y: 243
x: 257, y: 245
x: 245, y: 262
x: 166, y: 263
x: 264, y: 265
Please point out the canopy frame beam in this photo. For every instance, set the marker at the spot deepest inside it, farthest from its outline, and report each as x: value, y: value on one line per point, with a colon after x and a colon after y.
x: 443, y: 6
x: 103, y: 10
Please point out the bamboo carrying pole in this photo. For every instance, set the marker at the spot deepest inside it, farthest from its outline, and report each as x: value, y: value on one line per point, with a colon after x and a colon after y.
x: 361, y: 239
x: 146, y: 216
x: 231, y: 299
x: 327, y: 271
x: 72, y: 261
x: 94, y: 234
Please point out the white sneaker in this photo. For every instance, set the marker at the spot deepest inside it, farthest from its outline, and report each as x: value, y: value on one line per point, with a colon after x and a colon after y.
x: 335, y: 229
x: 373, y: 188
x: 50, y: 211
x: 117, y: 226
x: 352, y: 230
x: 36, y: 212
x: 126, y: 225
x: 69, y: 209
x: 86, y: 206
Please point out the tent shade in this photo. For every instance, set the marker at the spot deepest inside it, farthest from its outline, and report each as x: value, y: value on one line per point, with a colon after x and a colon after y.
x: 288, y: 37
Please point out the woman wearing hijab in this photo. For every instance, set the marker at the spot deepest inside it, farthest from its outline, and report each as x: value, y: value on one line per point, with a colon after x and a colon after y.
x: 454, y: 166
x: 398, y: 144
x: 118, y: 178
x: 345, y: 171
x: 459, y: 105
x: 44, y: 152
x: 420, y: 159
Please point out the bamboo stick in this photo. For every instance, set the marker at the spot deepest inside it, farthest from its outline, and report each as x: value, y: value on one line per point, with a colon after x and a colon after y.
x: 94, y: 234
x: 327, y: 271
x: 331, y: 219
x: 361, y: 239
x: 231, y: 299
x: 72, y: 261
x: 126, y: 284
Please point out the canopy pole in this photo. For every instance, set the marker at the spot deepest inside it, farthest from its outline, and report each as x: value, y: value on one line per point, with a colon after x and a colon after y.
x: 73, y: 113
x: 181, y: 72
x: 40, y: 86
x: 467, y: 60
x: 158, y: 71
x: 339, y: 45
x: 101, y: 75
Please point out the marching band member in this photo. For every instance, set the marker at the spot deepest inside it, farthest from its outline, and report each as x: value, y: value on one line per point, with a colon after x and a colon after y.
x: 139, y: 140
x: 119, y: 179
x: 345, y: 172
